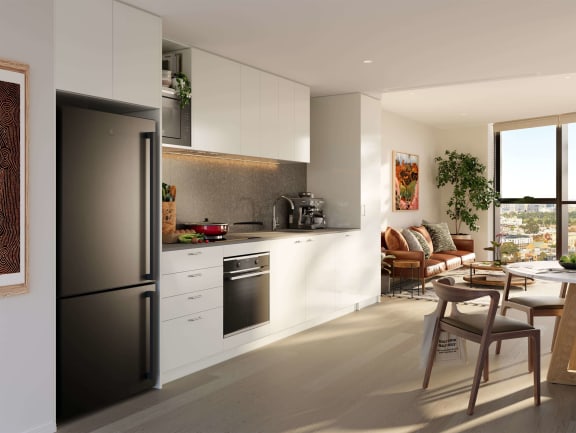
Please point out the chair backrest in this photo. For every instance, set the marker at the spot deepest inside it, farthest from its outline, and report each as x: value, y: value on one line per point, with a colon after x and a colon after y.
x: 447, y: 291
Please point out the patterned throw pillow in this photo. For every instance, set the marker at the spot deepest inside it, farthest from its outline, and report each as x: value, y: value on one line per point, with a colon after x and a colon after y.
x: 413, y: 244
x: 395, y: 240
x: 422, y: 230
x: 423, y: 243
x: 440, y: 234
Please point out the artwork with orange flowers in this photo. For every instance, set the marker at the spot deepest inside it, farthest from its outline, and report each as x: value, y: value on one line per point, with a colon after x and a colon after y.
x: 406, y: 191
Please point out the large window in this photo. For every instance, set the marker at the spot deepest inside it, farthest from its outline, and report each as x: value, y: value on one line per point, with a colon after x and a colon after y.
x: 536, y: 178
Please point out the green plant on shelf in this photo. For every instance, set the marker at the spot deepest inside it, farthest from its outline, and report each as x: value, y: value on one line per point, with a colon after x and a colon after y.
x: 183, y: 88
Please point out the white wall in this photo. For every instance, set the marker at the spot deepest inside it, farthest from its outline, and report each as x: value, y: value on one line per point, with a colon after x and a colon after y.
x: 477, y: 141
x: 405, y: 135
x: 27, y: 322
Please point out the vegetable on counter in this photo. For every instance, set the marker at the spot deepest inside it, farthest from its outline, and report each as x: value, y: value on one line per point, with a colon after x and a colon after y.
x: 192, y: 238
x: 168, y: 192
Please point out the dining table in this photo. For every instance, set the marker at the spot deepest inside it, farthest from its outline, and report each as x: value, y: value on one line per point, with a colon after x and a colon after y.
x: 562, y: 368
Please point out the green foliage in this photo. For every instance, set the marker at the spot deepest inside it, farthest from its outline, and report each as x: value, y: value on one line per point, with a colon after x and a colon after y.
x: 472, y: 191
x: 183, y: 88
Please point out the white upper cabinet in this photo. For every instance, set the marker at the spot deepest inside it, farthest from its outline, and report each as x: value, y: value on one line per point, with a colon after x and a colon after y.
x: 250, y: 142
x: 83, y: 47
x: 108, y: 50
x: 301, y: 123
x: 239, y: 110
x: 216, y: 103
x: 137, y: 56
x: 269, y: 122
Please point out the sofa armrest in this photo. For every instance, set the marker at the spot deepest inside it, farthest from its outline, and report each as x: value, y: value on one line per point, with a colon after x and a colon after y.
x: 464, y: 244
x: 404, y: 255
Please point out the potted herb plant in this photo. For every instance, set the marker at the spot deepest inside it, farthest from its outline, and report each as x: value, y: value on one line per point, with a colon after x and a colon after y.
x: 181, y: 84
x: 471, y: 189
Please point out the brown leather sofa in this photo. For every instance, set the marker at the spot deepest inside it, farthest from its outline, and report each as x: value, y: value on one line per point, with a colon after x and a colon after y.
x: 438, y: 262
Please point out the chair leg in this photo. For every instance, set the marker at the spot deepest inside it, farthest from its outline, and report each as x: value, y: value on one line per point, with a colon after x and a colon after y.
x: 431, y: 356
x: 480, y: 363
x: 535, y: 357
x: 531, y: 347
x: 499, y: 342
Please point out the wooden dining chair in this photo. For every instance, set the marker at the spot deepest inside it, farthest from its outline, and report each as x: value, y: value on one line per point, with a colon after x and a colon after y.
x: 482, y: 328
x: 534, y: 306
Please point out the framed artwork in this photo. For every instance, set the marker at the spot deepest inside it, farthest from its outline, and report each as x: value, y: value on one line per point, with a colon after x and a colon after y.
x: 14, y: 83
x: 405, y: 181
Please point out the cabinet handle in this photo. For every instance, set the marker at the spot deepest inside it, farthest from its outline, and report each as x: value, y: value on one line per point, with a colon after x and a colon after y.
x: 309, y: 240
x: 195, y: 319
x: 195, y: 275
x: 195, y: 253
x: 194, y: 297
x: 297, y: 242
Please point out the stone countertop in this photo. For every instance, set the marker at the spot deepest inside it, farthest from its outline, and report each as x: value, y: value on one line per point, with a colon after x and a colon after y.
x: 255, y: 236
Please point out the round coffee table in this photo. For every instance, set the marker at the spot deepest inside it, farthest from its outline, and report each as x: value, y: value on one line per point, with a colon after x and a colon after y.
x: 494, y: 277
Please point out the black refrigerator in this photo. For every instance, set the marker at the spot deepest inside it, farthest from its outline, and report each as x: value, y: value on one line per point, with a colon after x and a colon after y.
x: 105, y: 284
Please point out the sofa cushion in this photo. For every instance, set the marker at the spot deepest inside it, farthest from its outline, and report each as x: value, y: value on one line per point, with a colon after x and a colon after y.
x: 441, y: 238
x: 465, y: 256
x: 433, y: 267
x: 413, y: 243
x: 423, y: 243
x: 451, y: 261
x: 395, y: 240
x: 422, y: 230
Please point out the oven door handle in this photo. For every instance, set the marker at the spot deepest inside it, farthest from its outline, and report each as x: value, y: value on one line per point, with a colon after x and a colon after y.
x: 239, y: 277
x: 243, y: 270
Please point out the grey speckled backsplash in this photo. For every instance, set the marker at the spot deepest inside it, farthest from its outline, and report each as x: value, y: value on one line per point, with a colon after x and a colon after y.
x: 227, y: 191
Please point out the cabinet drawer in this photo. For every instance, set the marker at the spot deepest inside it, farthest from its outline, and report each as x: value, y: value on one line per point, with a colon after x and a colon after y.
x: 189, y: 259
x: 190, y: 303
x: 190, y: 281
x: 190, y: 338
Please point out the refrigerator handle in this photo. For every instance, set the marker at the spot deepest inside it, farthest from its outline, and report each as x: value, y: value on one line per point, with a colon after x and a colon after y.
x: 149, y: 143
x: 149, y: 299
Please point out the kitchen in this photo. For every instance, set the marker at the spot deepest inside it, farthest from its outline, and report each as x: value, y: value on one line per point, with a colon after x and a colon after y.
x: 229, y: 179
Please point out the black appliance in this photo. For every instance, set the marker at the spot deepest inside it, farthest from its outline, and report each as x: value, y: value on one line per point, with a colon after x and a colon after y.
x: 176, y: 120
x: 106, y: 293
x: 246, y: 292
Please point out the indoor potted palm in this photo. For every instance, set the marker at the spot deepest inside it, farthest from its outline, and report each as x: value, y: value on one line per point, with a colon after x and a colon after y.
x: 471, y: 189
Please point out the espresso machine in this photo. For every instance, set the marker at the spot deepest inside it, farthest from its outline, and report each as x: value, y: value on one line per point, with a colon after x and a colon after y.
x: 307, y: 213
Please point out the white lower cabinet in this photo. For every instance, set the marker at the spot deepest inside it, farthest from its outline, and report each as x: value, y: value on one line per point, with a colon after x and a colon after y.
x: 313, y: 278
x: 191, y: 306
x: 288, y: 260
x: 190, y: 338
x: 347, y: 272
x: 321, y: 283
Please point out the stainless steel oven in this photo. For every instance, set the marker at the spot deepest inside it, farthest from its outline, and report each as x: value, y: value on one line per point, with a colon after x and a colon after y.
x: 246, y: 292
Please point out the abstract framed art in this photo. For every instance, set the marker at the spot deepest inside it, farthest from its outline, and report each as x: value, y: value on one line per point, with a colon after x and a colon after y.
x: 14, y: 85
x: 405, y: 181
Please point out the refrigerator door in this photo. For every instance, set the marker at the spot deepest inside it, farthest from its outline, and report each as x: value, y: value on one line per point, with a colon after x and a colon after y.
x: 103, y: 201
x: 105, y: 348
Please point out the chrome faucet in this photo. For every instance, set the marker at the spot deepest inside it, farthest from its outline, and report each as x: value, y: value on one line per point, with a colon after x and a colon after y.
x: 275, y: 223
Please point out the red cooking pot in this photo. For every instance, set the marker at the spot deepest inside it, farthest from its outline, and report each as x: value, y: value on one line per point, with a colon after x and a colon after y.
x: 208, y: 228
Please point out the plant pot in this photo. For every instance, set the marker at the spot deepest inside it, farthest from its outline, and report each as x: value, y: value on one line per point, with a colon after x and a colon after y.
x: 461, y: 236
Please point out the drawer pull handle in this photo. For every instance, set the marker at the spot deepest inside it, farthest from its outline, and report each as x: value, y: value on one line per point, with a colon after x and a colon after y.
x: 195, y: 319
x: 195, y: 253
x: 194, y: 297
x: 194, y: 275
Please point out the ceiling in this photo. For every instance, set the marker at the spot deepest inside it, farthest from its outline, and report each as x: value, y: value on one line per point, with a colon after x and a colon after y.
x: 446, y: 63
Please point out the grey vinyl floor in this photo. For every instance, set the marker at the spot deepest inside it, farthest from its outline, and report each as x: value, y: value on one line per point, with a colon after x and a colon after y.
x: 359, y: 373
